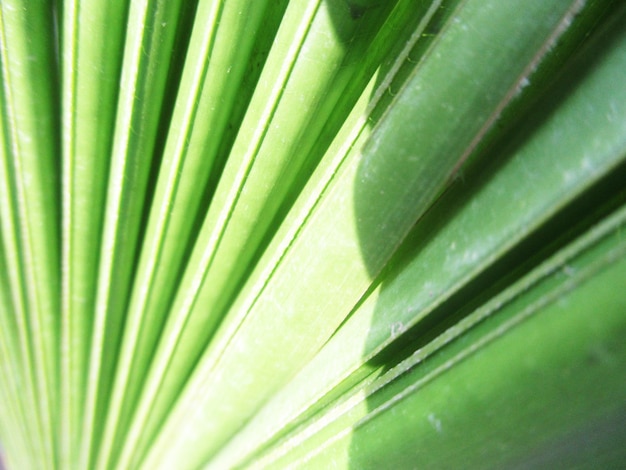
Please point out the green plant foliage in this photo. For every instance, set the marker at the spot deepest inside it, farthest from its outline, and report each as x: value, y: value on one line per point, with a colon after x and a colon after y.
x: 312, y: 233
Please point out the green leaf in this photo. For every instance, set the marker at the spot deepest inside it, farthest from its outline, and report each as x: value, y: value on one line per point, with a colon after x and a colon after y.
x: 448, y: 248
x: 18, y: 428
x: 280, y: 310
x: 30, y: 197
x: 91, y: 51
x: 536, y: 337
x: 329, y: 233
x: 188, y: 158
x: 236, y: 220
x: 139, y: 105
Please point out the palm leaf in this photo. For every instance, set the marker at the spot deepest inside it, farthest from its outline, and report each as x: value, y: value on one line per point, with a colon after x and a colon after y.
x: 312, y: 233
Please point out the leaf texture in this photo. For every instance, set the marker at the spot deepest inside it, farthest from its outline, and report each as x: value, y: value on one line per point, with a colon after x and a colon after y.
x: 311, y: 234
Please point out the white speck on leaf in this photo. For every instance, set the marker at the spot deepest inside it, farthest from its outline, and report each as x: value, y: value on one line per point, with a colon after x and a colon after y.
x: 397, y: 329
x: 524, y: 82
x: 435, y: 422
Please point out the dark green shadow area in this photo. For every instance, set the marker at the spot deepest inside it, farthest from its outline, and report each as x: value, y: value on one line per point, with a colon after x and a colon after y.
x: 557, y: 438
